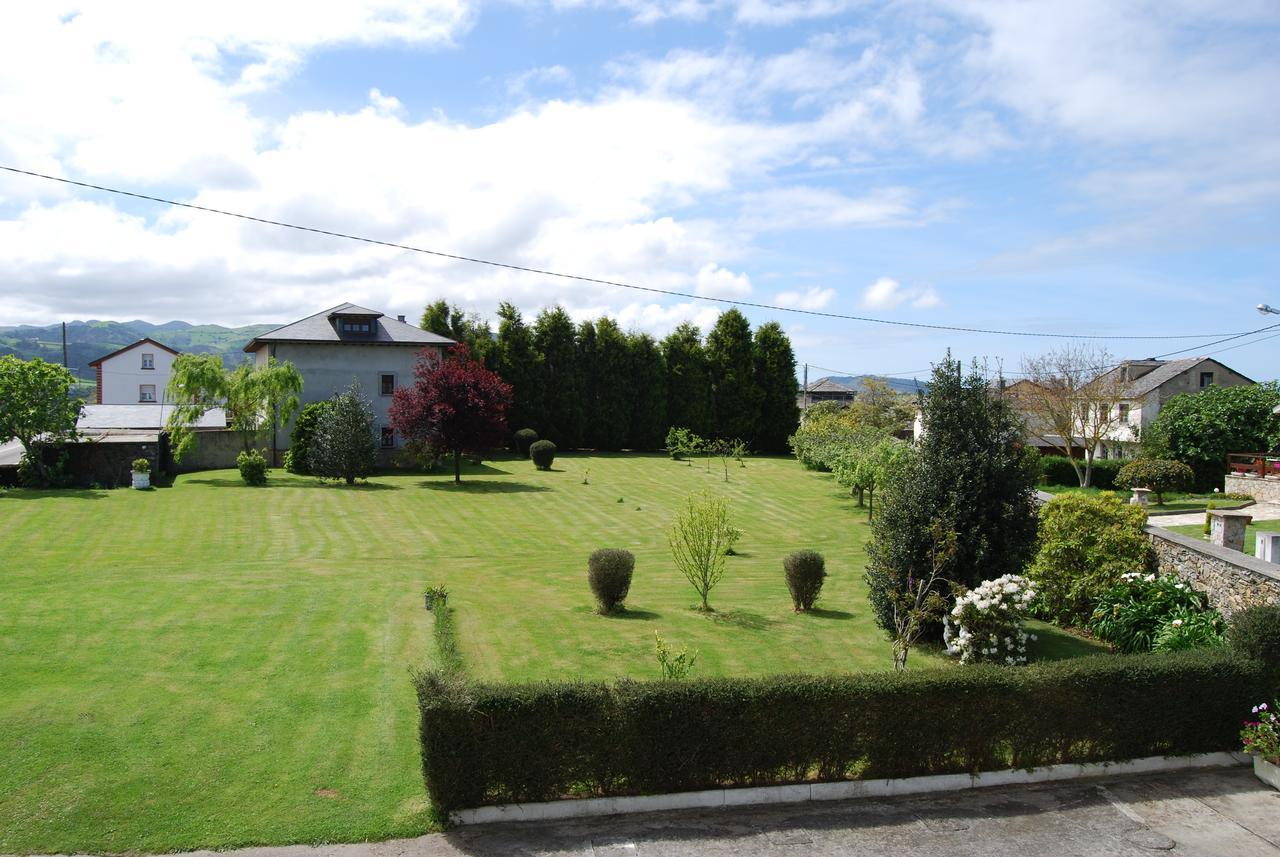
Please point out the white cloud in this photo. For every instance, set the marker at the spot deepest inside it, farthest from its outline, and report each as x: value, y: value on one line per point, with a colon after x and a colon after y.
x: 888, y: 293
x: 713, y: 281
x: 814, y: 298
x: 820, y: 208
x: 542, y: 77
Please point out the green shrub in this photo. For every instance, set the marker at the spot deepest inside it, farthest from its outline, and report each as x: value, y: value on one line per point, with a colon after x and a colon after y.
x: 1160, y: 475
x: 141, y: 465
x: 342, y: 444
x: 1056, y: 470
x: 806, y: 570
x: 1140, y: 611
x: 681, y: 443
x: 489, y: 744
x: 298, y: 457
x: 524, y: 439
x: 609, y: 573
x: 675, y: 666
x: 253, y: 467
x: 1086, y: 543
x: 1255, y: 631
x: 1208, y: 519
x: 543, y: 453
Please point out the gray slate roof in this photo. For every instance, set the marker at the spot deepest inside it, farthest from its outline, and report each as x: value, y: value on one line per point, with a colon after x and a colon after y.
x: 320, y: 328
x: 1166, y: 371
x: 829, y: 385
x: 152, y: 416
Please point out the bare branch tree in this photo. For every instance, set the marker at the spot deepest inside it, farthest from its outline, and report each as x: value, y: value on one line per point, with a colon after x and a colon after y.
x: 1073, y: 399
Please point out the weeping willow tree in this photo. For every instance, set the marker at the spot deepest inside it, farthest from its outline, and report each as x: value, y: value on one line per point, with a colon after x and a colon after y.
x: 257, y: 398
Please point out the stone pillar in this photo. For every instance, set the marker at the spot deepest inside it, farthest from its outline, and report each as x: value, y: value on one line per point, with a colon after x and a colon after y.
x: 1267, y: 546
x: 1141, y: 497
x: 1226, y: 529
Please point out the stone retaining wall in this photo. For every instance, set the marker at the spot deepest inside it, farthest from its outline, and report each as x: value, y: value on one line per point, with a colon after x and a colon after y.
x: 1232, y: 580
x: 1263, y: 489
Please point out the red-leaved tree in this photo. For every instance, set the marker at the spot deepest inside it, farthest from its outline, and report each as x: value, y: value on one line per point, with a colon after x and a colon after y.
x: 454, y: 406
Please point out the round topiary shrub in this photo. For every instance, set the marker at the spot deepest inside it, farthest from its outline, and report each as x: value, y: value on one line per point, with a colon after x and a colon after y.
x: 1160, y: 475
x: 253, y: 467
x: 805, y: 572
x: 609, y: 573
x: 543, y: 453
x: 524, y: 439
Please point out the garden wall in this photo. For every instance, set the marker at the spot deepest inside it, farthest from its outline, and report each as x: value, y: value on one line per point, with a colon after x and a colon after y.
x: 1263, y: 489
x: 214, y: 450
x: 1232, y: 580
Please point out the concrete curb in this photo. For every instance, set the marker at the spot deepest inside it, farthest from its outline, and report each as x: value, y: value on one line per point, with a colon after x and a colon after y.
x: 845, y: 790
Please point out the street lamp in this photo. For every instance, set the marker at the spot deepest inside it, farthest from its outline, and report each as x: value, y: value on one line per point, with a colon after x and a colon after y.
x: 1268, y: 310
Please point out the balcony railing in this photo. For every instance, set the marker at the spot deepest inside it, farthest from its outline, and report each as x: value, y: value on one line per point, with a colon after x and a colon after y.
x: 1254, y: 463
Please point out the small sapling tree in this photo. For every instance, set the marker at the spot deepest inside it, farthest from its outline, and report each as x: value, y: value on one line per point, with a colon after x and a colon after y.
x: 699, y: 537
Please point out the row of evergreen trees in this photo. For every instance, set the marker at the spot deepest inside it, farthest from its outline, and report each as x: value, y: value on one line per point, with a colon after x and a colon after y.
x: 593, y: 385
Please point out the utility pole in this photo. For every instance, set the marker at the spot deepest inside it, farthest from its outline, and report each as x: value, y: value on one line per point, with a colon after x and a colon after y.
x: 64, y: 346
x: 806, y: 389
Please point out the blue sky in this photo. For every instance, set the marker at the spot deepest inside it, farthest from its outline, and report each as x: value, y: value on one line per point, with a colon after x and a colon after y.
x: 1086, y: 167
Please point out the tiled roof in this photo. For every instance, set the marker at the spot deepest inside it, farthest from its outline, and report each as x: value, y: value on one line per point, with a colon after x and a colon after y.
x: 1165, y: 372
x: 320, y: 328
x: 829, y: 385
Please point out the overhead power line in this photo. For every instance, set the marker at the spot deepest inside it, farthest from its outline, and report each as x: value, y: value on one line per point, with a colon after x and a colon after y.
x: 596, y: 280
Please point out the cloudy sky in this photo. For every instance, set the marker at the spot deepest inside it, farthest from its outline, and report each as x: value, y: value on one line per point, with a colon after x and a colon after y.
x: 1086, y: 167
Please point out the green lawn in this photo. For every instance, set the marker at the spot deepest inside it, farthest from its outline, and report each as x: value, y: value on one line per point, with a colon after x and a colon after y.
x: 212, y: 665
x: 1250, y: 538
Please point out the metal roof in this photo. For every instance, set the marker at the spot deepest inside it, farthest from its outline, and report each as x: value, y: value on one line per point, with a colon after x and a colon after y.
x: 321, y: 328
x: 149, y: 416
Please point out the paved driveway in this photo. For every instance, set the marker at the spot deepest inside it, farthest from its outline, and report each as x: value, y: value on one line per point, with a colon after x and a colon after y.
x: 1259, y: 511
x: 1207, y: 813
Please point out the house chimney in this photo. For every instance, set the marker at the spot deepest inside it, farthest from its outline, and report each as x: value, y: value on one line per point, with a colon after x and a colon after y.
x: 400, y: 319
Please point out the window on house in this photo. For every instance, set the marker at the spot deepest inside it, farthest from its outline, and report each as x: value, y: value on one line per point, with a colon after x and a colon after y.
x: 1106, y: 413
x: 1206, y: 380
x: 1124, y: 414
x: 146, y: 392
x: 388, y: 437
x: 148, y: 361
x: 355, y: 326
x: 387, y: 383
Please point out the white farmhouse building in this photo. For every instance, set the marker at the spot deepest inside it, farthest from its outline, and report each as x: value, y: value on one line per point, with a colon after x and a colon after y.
x: 344, y: 344
x: 137, y: 374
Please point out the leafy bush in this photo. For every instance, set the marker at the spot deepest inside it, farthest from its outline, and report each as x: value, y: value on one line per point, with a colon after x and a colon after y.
x: 986, y: 623
x: 253, y: 467
x: 699, y: 536
x: 1057, y: 470
x: 1086, y: 543
x: 1255, y: 631
x: 342, y: 444
x: 140, y: 465
x: 609, y: 573
x: 1140, y: 610
x: 1261, y: 737
x: 1201, y: 429
x: 675, y: 666
x: 681, y: 443
x: 1158, y: 474
x: 515, y: 743
x: 524, y: 439
x: 543, y: 453
x: 806, y: 570
x: 822, y: 437
x: 298, y: 457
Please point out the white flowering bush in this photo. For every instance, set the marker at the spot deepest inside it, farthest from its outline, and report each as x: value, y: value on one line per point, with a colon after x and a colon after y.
x: 986, y: 623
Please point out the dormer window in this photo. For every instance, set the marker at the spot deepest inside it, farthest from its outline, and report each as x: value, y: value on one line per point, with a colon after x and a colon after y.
x: 351, y: 326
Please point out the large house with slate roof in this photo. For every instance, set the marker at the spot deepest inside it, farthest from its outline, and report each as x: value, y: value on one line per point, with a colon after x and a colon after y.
x: 1148, y: 384
x: 349, y: 343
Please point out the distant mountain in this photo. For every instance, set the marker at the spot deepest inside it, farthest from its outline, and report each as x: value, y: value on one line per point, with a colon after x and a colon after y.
x: 89, y: 340
x: 898, y: 385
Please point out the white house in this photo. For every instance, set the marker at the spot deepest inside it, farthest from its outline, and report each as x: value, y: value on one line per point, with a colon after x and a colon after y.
x: 137, y: 374
x: 350, y: 343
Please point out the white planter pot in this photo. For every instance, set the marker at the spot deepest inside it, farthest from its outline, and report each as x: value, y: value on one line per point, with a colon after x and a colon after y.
x: 1267, y: 772
x: 141, y: 480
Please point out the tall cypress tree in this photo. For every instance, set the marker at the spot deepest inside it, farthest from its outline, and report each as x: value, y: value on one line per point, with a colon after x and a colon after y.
x: 735, y: 396
x: 584, y: 346
x: 553, y: 339
x: 614, y: 394
x: 517, y: 364
x: 688, y: 380
x: 648, y: 386
x: 775, y: 367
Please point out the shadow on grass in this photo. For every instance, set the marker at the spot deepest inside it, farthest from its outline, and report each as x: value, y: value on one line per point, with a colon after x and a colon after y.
x: 295, y: 483
x: 744, y: 619
x: 838, y: 615
x: 483, y: 487
x: 43, y: 493
x: 621, y: 613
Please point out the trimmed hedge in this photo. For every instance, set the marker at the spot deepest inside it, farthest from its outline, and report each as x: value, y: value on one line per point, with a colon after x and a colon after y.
x: 609, y: 574
x: 492, y: 744
x: 1056, y: 470
x: 524, y: 439
x: 805, y: 570
x: 543, y: 453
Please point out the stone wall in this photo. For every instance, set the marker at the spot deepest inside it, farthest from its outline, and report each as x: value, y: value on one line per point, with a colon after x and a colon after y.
x: 1263, y: 489
x: 1232, y: 580
x: 213, y: 450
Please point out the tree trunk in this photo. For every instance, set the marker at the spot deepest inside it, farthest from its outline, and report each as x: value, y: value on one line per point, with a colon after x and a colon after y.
x: 36, y: 456
x: 457, y: 466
